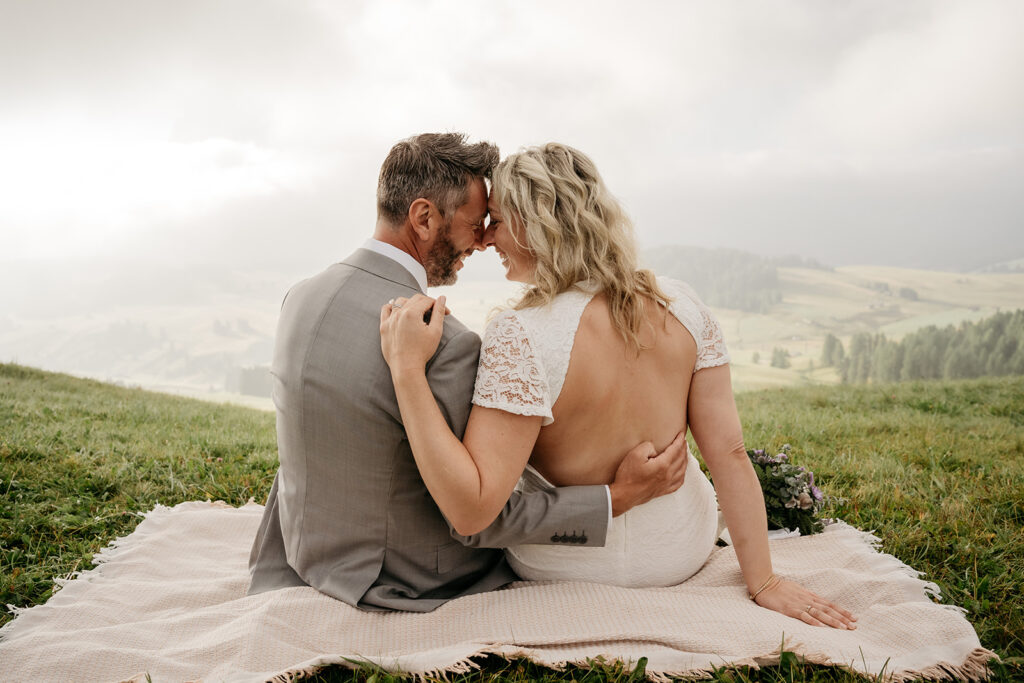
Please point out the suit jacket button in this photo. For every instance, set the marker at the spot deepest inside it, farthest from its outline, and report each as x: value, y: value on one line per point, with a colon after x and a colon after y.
x: 583, y: 538
x: 556, y: 539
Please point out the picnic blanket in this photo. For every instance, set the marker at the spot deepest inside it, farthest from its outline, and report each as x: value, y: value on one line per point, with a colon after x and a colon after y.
x: 168, y: 600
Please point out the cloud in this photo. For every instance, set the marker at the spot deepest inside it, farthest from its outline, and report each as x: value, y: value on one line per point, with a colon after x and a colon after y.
x: 209, y: 130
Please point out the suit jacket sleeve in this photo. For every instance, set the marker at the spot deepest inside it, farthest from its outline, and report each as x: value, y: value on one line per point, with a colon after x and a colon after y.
x: 536, y: 517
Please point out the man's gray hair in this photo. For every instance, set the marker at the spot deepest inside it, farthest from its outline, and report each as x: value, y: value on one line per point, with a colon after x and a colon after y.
x: 434, y: 166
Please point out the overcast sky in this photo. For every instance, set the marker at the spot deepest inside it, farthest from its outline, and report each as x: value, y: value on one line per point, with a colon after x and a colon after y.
x: 248, y: 134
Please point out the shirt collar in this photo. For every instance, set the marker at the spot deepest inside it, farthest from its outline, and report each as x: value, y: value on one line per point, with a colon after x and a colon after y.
x: 403, y: 259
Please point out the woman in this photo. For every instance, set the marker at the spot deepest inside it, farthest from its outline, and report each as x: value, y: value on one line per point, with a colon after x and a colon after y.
x: 595, y: 357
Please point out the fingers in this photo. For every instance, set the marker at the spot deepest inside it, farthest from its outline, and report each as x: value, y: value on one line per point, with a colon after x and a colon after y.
x: 676, y: 449
x: 830, y: 613
x: 642, y: 451
x: 679, y: 476
x: 794, y: 601
x: 834, y: 616
x: 437, y: 316
x: 847, y: 614
x: 418, y: 305
x: 680, y: 462
x: 828, y: 617
x: 679, y: 441
x: 816, y: 617
x: 418, y: 302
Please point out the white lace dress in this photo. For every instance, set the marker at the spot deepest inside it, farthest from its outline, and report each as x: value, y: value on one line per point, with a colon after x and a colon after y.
x: 523, y: 363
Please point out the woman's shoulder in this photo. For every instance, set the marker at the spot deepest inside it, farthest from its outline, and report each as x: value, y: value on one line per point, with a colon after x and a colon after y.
x: 676, y: 289
x: 684, y: 303
x: 698, y: 319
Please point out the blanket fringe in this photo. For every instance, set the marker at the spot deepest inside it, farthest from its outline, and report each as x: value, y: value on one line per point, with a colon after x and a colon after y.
x: 974, y: 668
x: 460, y: 667
x: 884, y: 561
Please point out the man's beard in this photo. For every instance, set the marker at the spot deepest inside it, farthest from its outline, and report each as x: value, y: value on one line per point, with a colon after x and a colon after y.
x: 441, y: 259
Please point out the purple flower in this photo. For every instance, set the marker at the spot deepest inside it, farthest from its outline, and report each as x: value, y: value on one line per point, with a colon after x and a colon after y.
x: 816, y: 492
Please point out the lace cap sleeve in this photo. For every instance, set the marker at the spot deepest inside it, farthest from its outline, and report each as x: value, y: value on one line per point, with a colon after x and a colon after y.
x: 711, y: 351
x: 510, y: 376
x: 700, y: 321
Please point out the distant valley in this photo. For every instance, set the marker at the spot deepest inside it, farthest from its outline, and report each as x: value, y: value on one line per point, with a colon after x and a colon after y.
x: 219, y: 342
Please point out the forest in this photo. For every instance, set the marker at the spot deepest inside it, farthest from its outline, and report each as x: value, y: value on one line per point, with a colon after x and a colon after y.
x: 992, y: 347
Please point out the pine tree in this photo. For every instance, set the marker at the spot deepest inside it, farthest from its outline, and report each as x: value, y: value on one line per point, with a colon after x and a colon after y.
x: 832, y: 350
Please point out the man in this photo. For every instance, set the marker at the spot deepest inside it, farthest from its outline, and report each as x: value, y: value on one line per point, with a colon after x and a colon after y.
x: 348, y: 512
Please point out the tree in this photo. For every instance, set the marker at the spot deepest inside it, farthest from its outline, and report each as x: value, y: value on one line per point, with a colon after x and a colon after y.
x: 780, y: 358
x: 908, y: 293
x: 832, y: 351
x: 756, y: 358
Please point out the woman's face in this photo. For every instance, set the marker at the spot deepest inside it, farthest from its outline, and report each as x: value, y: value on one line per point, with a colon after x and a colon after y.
x: 518, y: 261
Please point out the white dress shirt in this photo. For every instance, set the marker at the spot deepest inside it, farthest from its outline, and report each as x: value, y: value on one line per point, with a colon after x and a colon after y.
x: 403, y: 259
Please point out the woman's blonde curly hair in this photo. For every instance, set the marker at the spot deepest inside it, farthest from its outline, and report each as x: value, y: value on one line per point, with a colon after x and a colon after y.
x: 576, y: 231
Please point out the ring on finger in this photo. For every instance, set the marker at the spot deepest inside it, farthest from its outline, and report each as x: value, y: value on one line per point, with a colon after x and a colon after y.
x: 808, y: 609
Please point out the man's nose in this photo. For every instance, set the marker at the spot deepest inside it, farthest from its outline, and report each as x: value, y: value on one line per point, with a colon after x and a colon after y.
x: 485, y: 238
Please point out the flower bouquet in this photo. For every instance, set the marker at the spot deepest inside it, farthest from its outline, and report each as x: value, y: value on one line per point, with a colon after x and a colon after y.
x: 790, y: 496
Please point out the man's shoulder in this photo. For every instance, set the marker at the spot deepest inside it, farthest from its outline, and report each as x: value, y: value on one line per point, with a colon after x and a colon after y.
x: 358, y: 281
x: 454, y: 327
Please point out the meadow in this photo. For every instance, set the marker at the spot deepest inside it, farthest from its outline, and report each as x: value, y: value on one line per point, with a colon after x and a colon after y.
x: 936, y: 469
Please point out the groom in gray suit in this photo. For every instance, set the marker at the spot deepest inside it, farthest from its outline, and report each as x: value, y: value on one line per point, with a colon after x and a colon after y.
x: 348, y: 512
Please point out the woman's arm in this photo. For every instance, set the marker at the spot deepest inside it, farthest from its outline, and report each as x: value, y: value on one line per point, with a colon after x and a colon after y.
x: 715, y: 425
x: 469, y: 481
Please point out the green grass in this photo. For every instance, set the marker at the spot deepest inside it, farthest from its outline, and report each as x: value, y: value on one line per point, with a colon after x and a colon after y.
x: 937, y: 469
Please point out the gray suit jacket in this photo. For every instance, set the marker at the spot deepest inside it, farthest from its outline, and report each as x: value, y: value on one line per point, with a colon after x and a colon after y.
x: 348, y: 512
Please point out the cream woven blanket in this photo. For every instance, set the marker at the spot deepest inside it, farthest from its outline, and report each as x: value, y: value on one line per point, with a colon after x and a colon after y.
x: 169, y: 600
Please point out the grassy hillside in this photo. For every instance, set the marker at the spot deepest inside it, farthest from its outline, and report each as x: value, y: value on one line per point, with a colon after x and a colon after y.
x: 937, y: 469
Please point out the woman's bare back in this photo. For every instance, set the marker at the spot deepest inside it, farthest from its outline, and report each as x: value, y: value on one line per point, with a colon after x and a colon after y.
x: 614, y: 397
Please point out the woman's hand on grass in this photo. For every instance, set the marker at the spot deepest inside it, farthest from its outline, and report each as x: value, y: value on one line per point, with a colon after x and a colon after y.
x: 410, y: 330
x: 793, y: 600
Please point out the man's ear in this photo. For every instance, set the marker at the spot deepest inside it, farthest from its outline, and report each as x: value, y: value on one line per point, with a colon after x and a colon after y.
x: 419, y: 217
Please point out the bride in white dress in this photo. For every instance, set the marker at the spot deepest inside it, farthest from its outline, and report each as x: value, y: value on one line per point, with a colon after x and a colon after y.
x: 596, y: 357
x: 682, y: 525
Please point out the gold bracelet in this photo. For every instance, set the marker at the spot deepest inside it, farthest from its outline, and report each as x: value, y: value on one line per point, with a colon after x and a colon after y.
x: 770, y: 581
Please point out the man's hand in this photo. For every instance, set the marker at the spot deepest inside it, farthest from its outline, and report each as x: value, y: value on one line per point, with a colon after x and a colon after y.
x: 645, y: 474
